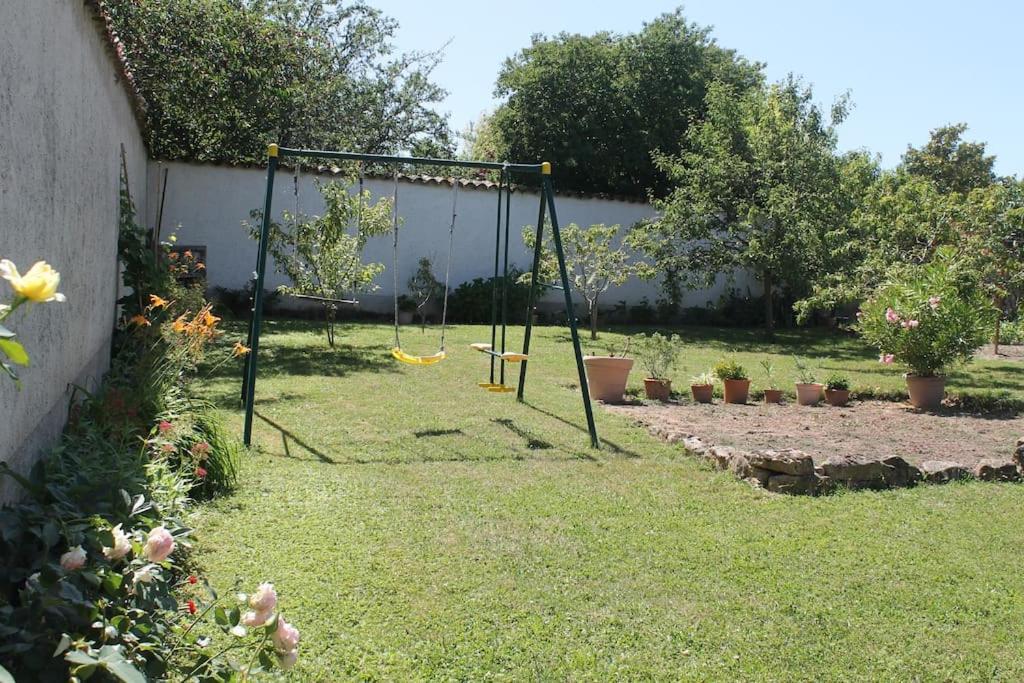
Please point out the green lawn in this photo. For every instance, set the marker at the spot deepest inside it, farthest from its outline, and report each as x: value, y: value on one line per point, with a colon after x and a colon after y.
x: 418, y: 527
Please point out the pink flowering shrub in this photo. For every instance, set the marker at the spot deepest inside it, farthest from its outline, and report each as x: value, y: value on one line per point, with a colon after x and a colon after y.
x: 928, y: 317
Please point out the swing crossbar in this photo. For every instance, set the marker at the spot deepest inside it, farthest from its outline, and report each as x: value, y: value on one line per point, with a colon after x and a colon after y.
x: 390, y: 159
x: 324, y: 299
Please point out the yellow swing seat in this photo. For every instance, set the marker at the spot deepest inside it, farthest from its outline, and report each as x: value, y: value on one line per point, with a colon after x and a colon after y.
x: 404, y: 357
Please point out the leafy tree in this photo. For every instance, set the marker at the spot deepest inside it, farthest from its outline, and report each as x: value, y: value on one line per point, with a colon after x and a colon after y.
x: 595, y: 106
x: 424, y: 288
x: 222, y: 78
x: 953, y: 164
x: 755, y: 188
x: 592, y: 259
x: 322, y: 255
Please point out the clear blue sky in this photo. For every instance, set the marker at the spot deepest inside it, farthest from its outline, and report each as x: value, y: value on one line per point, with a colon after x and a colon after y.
x: 910, y: 65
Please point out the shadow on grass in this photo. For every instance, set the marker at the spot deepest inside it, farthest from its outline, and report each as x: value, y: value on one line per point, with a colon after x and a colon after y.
x: 286, y: 435
x: 615, y: 448
x: 532, y: 442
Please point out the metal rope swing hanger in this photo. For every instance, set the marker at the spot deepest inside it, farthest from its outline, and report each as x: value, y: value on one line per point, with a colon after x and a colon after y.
x: 546, y: 209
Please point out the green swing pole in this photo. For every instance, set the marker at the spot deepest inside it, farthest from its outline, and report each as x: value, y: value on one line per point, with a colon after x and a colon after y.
x: 556, y: 235
x: 494, y: 282
x: 530, y: 302
x: 504, y: 279
x: 257, y: 298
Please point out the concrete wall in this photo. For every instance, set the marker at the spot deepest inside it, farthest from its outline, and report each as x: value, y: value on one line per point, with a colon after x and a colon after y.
x: 63, y: 119
x: 206, y: 204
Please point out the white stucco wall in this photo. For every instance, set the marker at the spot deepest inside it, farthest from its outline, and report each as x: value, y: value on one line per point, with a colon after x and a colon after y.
x: 63, y: 118
x: 206, y: 204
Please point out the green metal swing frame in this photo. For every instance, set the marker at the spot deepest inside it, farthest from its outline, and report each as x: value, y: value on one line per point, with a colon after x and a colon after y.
x: 546, y: 209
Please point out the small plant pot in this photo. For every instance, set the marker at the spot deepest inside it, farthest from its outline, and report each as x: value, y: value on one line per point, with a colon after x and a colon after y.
x: 657, y: 389
x: 702, y: 393
x: 736, y: 390
x: 607, y: 376
x: 808, y: 394
x: 926, y: 393
x: 773, y: 395
x: 837, y: 397
x: 405, y: 317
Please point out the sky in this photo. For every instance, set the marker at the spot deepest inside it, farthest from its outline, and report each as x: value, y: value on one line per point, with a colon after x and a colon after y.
x: 910, y: 66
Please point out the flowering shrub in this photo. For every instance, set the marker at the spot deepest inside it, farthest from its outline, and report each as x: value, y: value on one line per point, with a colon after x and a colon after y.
x: 38, y: 285
x: 928, y: 317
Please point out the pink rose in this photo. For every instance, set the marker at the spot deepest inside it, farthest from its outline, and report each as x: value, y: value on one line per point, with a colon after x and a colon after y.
x: 254, y: 619
x: 159, y: 545
x: 911, y: 324
x: 886, y: 358
x: 934, y: 302
x: 286, y: 637
x: 73, y: 559
x: 264, y: 599
x: 288, y: 659
x: 122, y: 545
x: 892, y: 316
x: 165, y: 426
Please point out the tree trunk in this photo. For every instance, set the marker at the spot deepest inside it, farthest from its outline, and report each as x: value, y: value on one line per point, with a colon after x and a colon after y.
x: 329, y: 310
x: 995, y: 338
x: 593, y: 320
x: 769, y: 307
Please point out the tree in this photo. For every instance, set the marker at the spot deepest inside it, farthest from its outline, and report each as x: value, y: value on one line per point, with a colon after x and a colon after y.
x: 424, y: 288
x: 951, y: 163
x: 755, y: 188
x: 592, y: 259
x: 222, y: 78
x: 322, y: 255
x: 595, y: 106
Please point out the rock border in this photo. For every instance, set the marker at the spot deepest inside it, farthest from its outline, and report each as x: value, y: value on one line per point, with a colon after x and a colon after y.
x: 793, y: 472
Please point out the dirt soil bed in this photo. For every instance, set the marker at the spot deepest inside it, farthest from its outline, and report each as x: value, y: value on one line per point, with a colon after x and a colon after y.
x: 868, y: 428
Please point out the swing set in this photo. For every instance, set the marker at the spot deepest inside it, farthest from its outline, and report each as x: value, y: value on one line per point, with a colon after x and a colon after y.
x: 497, y: 349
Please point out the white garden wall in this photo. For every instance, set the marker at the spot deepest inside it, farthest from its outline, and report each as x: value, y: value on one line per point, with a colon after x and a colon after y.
x: 63, y: 118
x: 206, y: 204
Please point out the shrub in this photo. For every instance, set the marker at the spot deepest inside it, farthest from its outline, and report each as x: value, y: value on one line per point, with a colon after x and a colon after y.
x: 657, y: 353
x: 928, y: 317
x: 769, y: 374
x: 837, y: 382
x: 730, y: 369
x: 1012, y: 332
x: 470, y: 302
x: 703, y: 379
x: 804, y: 373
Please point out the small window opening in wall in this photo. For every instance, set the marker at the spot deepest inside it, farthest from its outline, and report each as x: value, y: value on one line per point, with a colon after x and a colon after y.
x: 188, y: 263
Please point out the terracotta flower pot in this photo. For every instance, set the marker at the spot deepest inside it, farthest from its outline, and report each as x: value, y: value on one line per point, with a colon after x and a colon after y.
x: 808, y: 394
x: 736, y: 390
x: 657, y: 389
x: 773, y: 395
x: 926, y: 393
x: 606, y: 377
x: 702, y: 393
x: 837, y: 397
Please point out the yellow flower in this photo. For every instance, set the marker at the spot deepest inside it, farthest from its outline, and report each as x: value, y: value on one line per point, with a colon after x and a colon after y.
x: 139, y: 320
x: 209, y: 319
x: 240, y: 350
x: 39, y: 284
x: 157, y: 302
x: 180, y: 325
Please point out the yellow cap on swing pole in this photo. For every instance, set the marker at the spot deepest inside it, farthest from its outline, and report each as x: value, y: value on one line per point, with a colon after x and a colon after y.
x: 272, y: 150
x: 545, y: 168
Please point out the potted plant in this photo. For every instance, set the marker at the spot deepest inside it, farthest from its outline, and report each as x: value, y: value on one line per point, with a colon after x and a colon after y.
x: 607, y: 375
x: 772, y: 394
x: 735, y: 382
x: 837, y: 390
x: 808, y: 391
x: 928, y: 318
x: 702, y: 387
x: 657, y: 354
x: 406, y: 309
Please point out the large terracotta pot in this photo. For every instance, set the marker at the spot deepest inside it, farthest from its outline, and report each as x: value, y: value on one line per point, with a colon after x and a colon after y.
x: 837, y: 397
x: 606, y: 377
x: 773, y: 395
x: 702, y: 393
x: 926, y: 393
x: 808, y: 394
x: 657, y: 389
x: 736, y: 390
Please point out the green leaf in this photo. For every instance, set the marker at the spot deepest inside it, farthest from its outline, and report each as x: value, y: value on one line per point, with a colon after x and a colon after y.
x: 112, y: 581
x: 113, y: 660
x: 6, y: 367
x: 64, y: 644
x: 234, y: 615
x: 80, y: 658
x: 5, y: 676
x: 14, y: 350
x: 220, y: 616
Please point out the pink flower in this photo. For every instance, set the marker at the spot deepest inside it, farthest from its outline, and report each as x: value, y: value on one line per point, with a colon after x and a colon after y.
x: 288, y: 659
x: 201, y: 473
x: 201, y: 449
x: 264, y: 599
x: 167, y: 448
x: 911, y: 324
x: 286, y: 637
x: 934, y: 302
x: 892, y: 316
x: 122, y: 545
x: 254, y: 619
x: 165, y: 426
x: 73, y: 559
x: 159, y: 545
x: 886, y: 358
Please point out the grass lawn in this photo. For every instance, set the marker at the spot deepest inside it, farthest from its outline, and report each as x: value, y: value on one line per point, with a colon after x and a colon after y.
x: 418, y: 527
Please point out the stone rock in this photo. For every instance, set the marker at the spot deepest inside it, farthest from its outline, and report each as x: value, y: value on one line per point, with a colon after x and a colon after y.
x: 721, y: 456
x: 793, y: 484
x: 740, y: 465
x: 1018, y: 454
x: 869, y: 473
x: 789, y: 461
x: 901, y: 472
x: 993, y: 469
x: 694, y: 444
x: 758, y: 475
x: 941, y: 471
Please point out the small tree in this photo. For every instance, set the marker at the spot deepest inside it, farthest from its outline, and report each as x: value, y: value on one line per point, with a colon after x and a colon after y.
x: 322, y: 255
x: 593, y: 261
x: 424, y: 288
